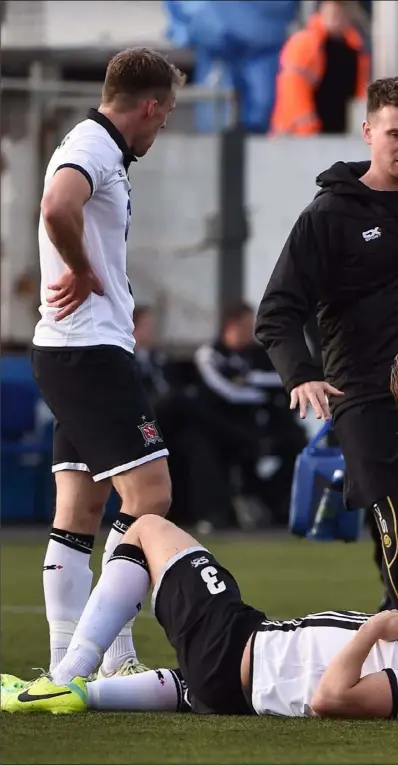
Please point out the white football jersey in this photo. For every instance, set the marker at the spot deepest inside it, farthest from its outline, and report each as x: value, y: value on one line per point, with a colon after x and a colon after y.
x: 290, y: 657
x: 97, y: 150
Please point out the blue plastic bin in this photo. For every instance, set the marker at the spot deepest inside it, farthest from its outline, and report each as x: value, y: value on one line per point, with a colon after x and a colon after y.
x: 313, y: 473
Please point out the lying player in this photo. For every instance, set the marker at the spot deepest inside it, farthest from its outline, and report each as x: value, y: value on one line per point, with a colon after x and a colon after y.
x: 233, y: 659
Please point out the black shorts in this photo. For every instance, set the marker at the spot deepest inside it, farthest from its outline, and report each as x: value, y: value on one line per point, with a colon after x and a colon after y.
x: 104, y: 422
x: 199, y: 606
x: 368, y: 437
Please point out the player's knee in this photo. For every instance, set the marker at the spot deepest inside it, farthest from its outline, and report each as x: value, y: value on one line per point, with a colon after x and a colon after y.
x: 153, y: 499
x: 161, y: 503
x: 149, y: 525
x: 320, y: 706
x: 145, y: 490
x: 155, y: 502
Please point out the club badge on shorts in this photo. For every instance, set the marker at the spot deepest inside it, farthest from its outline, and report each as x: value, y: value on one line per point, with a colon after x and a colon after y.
x: 150, y: 433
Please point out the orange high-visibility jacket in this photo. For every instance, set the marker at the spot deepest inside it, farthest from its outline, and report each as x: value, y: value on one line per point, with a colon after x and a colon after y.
x: 302, y: 65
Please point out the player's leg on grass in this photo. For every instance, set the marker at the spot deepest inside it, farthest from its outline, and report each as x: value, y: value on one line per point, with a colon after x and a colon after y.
x: 67, y: 576
x: 156, y: 690
x: 144, y: 489
x: 146, y: 548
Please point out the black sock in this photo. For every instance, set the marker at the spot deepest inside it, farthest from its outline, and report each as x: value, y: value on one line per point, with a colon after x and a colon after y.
x: 123, y: 522
x: 81, y: 542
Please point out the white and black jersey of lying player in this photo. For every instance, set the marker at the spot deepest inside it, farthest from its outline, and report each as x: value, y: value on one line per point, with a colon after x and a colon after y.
x: 298, y: 668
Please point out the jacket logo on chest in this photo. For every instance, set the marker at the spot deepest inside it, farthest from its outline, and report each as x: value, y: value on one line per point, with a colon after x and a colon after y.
x: 372, y: 233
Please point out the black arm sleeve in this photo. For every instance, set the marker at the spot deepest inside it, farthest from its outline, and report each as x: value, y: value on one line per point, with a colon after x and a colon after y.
x: 288, y: 302
x: 392, y: 676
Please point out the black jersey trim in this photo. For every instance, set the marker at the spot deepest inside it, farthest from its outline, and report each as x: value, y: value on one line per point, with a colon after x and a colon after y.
x: 394, y: 690
x: 249, y: 693
x: 348, y: 620
x: 115, y: 134
x: 81, y: 170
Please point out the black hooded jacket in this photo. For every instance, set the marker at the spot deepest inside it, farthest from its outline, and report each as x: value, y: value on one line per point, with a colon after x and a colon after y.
x: 340, y: 261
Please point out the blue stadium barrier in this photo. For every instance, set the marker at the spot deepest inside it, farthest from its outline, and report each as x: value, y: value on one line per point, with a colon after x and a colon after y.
x: 27, y: 483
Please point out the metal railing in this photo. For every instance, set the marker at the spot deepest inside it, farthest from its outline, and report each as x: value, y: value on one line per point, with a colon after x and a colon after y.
x: 36, y: 84
x: 46, y: 95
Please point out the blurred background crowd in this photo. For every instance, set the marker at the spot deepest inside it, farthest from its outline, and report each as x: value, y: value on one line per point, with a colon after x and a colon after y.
x: 275, y: 93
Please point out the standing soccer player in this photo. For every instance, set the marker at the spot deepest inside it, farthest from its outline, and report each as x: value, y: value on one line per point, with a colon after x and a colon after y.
x: 83, y: 346
x: 341, y: 259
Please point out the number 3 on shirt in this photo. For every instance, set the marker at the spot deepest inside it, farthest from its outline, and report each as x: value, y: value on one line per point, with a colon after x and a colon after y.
x: 209, y: 576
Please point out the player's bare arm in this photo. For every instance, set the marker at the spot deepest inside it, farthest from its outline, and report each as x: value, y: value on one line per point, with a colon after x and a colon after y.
x: 62, y: 210
x: 342, y: 692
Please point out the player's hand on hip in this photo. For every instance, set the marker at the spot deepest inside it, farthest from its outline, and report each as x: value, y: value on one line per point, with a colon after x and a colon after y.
x: 385, y: 625
x: 317, y: 395
x: 71, y: 290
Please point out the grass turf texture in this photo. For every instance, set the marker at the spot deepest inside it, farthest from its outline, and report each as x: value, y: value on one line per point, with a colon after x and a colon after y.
x: 285, y: 577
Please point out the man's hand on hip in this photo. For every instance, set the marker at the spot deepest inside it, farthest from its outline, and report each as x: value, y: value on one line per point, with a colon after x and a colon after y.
x: 316, y: 394
x: 71, y: 290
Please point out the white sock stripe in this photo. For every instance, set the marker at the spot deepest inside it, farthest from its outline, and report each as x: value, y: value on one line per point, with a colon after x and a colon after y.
x: 143, y: 564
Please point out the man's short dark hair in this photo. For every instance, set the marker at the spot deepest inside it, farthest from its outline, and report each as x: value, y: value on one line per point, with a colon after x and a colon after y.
x: 383, y: 92
x: 235, y: 312
x: 136, y: 71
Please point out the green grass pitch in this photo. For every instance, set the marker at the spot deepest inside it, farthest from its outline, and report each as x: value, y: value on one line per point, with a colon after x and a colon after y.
x: 285, y: 577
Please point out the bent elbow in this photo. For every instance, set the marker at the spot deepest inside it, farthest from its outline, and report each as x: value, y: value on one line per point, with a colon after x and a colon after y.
x: 57, y: 207
x: 325, y: 705
x: 261, y: 326
x: 51, y: 209
x: 319, y: 706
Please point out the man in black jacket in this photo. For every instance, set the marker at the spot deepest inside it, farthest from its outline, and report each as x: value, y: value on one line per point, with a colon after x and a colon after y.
x: 243, y: 441
x: 341, y: 259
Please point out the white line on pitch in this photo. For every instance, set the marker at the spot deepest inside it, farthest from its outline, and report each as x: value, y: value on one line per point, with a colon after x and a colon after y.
x: 25, y: 610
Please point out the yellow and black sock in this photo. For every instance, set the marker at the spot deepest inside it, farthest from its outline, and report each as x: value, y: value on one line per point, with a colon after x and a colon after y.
x: 386, y: 517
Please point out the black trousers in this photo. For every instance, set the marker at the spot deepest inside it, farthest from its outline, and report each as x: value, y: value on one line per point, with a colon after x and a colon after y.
x: 368, y: 436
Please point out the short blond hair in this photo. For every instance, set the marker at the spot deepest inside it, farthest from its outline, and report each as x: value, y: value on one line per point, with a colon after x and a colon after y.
x: 137, y: 71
